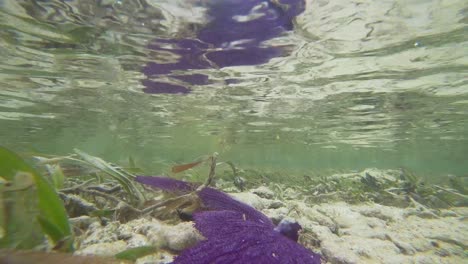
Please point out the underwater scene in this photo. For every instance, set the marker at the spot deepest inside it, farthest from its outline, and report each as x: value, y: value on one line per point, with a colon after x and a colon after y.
x: 233, y: 131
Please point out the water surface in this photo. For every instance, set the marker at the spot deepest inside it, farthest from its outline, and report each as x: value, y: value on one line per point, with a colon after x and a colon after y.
x: 360, y: 84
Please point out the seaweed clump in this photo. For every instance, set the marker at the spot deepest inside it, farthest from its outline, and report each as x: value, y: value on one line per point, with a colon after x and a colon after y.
x: 401, y: 188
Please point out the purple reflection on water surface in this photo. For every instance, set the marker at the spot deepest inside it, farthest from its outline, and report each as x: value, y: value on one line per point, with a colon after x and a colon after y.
x: 233, y: 37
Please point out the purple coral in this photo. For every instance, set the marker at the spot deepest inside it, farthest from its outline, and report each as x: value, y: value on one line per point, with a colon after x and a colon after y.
x: 236, y: 232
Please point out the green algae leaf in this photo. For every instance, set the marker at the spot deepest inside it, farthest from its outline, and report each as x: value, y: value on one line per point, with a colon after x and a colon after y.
x: 49, y: 228
x: 18, y: 205
x: 136, y: 253
x: 11, y: 164
x: 52, y: 209
x: 49, y: 209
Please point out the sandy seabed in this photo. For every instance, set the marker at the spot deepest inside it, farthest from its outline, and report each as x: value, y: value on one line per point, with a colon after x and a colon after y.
x: 340, y: 231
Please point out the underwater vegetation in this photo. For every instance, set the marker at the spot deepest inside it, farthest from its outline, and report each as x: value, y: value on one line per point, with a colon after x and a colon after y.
x: 43, y: 201
x: 234, y: 231
x: 233, y: 37
x: 30, y: 207
x: 400, y: 188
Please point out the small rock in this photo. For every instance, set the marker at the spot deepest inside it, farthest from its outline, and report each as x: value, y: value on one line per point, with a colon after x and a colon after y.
x: 124, y: 232
x: 99, y: 234
x: 426, y: 214
x: 153, y: 230
x: 377, y: 213
x: 276, y: 215
x: 103, y: 249
x: 137, y: 240
x: 181, y: 236
x: 448, y: 213
x: 442, y: 252
x: 275, y: 204
x: 315, y: 215
x: 404, y: 247
x: 161, y: 257
x: 264, y: 192
x: 428, y: 259
x: 249, y: 198
x: 336, y: 254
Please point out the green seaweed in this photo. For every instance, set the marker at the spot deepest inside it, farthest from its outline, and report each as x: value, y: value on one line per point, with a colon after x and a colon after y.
x: 136, y: 253
x: 52, y: 230
x: 123, y: 177
x: 19, y: 207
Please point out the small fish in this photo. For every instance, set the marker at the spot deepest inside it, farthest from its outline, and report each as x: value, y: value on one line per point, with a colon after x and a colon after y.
x: 184, y: 167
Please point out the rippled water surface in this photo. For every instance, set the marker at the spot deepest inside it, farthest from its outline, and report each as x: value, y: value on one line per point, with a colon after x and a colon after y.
x: 360, y: 84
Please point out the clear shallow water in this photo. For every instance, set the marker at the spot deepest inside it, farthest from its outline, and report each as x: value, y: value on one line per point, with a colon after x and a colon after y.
x: 367, y: 84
